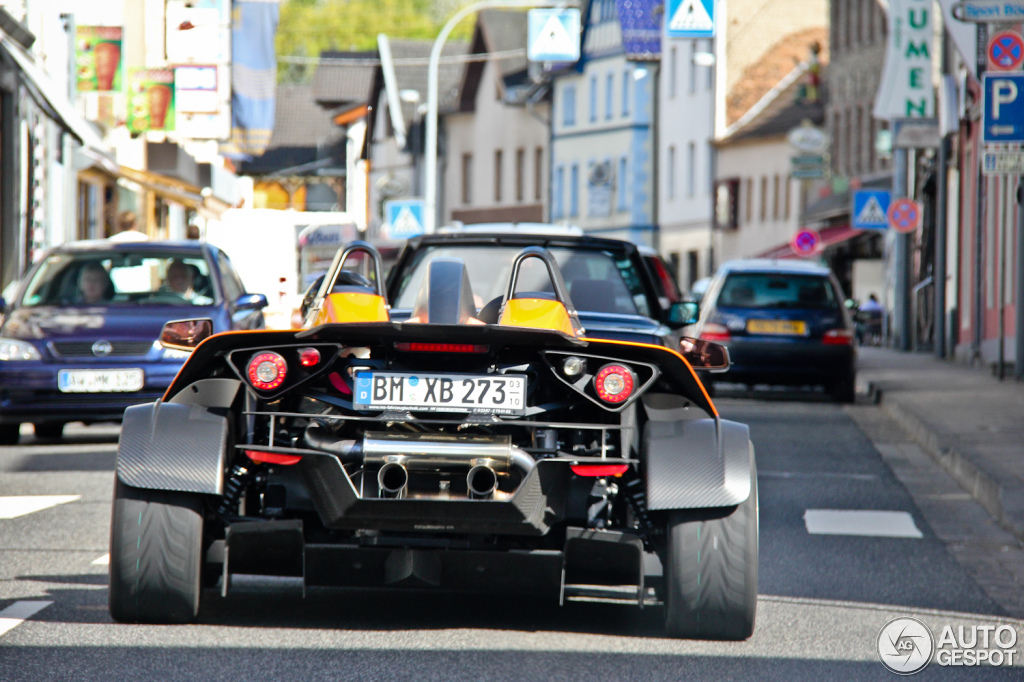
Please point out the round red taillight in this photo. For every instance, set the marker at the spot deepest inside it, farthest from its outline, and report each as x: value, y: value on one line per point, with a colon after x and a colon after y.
x: 267, y: 371
x: 309, y: 357
x: 614, y: 383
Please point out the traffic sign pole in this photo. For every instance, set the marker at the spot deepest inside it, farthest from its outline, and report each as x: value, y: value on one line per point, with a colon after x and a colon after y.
x: 900, y: 251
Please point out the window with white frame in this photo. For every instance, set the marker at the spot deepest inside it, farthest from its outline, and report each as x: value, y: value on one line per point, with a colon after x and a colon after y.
x: 569, y: 106
x: 622, y: 184
x: 593, y: 98
x: 627, y: 77
x: 558, y: 194
x: 670, y: 172
x: 691, y: 169
x: 609, y: 95
x: 574, y: 190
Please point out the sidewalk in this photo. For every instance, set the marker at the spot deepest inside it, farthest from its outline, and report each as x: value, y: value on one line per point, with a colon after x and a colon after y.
x: 965, y: 418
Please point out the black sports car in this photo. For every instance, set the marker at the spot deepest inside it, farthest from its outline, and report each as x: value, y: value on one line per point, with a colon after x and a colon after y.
x: 463, y: 444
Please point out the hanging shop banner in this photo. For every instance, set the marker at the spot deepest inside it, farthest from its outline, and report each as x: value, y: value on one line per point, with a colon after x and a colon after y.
x: 906, y: 88
x: 98, y: 58
x: 150, y: 100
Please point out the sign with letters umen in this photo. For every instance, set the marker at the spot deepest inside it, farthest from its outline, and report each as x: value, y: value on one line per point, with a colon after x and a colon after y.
x: 906, y: 88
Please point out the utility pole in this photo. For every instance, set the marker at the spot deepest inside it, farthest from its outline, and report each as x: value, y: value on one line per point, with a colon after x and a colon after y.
x: 430, y: 177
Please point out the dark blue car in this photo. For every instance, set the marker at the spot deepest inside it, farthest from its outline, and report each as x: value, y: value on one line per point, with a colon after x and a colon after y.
x: 783, y: 323
x: 79, y: 341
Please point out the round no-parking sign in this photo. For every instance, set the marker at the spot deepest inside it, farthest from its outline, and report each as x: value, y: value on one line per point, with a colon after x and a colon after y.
x: 1006, y: 51
x: 805, y: 242
x: 904, y: 215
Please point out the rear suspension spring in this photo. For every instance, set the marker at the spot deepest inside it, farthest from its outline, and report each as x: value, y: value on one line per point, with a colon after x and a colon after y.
x: 238, y: 478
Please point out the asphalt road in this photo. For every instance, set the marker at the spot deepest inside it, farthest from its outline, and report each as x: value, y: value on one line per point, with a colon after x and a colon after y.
x: 824, y: 597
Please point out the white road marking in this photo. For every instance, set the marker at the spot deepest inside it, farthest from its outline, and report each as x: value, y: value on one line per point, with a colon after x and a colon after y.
x: 16, y: 614
x: 883, y: 524
x: 102, y: 561
x: 11, y: 507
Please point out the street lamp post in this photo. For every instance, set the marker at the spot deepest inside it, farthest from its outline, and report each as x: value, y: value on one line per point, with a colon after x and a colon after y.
x: 430, y: 182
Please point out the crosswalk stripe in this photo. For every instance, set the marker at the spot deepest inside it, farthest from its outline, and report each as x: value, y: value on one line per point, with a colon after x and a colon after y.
x: 18, y: 612
x: 102, y: 561
x: 11, y: 507
x: 883, y: 524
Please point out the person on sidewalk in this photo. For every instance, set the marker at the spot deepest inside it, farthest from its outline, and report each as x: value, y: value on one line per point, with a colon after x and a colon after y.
x: 128, y: 231
x: 869, y: 321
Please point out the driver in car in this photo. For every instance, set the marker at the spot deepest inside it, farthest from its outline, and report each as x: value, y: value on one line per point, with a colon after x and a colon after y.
x: 180, y: 280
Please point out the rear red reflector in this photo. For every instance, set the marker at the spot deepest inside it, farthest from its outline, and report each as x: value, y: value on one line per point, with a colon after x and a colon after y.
x: 598, y: 470
x: 272, y: 457
x: 309, y: 357
x: 715, y: 332
x: 443, y: 347
x: 838, y: 337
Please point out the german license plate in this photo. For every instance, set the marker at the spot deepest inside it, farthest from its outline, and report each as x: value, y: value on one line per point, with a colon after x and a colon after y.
x: 440, y: 392
x: 793, y: 327
x: 100, y: 380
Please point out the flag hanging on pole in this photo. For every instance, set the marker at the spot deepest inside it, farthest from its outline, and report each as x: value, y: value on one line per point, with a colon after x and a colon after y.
x: 253, y: 77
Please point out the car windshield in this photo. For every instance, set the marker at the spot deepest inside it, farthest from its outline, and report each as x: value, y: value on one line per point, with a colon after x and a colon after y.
x: 771, y: 290
x: 121, y: 279
x: 598, y: 281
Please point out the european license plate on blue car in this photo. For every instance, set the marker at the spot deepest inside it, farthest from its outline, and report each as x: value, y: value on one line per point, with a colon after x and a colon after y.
x: 473, y: 393
x: 100, y: 380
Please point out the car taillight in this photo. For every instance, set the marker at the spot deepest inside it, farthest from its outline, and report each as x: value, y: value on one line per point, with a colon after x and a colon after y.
x: 614, y: 383
x: 598, y: 470
x: 838, y: 337
x: 267, y: 370
x: 309, y: 357
x: 272, y: 457
x: 442, y: 347
x: 715, y: 332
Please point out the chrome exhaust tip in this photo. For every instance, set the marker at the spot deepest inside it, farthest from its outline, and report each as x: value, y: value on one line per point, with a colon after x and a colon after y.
x: 481, y: 481
x: 393, y: 480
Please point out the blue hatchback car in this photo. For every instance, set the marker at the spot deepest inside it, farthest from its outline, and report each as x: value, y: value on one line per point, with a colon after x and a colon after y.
x: 783, y: 322
x: 80, y: 340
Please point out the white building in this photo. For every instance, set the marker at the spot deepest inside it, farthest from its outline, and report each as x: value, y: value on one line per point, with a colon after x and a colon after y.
x: 603, y: 129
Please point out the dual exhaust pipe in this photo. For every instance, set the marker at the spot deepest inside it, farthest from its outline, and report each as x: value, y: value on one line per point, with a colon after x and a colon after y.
x: 393, y: 479
x: 486, y: 457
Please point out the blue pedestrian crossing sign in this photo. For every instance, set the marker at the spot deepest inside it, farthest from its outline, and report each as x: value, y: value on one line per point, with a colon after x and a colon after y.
x: 404, y: 218
x: 871, y: 209
x: 690, y: 19
x: 553, y: 35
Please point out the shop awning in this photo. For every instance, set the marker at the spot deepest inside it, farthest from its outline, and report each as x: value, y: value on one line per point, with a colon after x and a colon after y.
x: 49, y: 97
x: 830, y: 236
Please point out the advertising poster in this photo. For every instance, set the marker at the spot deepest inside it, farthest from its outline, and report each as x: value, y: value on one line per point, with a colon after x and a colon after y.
x: 150, y: 100
x: 98, y: 58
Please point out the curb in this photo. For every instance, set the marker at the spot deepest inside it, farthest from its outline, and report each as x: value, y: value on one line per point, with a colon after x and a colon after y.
x: 973, y: 479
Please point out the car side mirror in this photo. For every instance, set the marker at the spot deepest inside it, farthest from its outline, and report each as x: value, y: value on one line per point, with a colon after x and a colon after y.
x: 251, y: 302
x: 705, y: 355
x: 683, y: 313
x: 3, y: 305
x: 185, y: 334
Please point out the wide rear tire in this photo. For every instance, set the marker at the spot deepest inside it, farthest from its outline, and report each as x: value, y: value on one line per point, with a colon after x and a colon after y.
x: 156, y: 555
x: 711, y: 571
x: 844, y: 390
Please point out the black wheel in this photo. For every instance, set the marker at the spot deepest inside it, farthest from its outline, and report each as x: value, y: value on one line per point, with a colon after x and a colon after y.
x: 156, y: 543
x: 711, y: 571
x: 844, y: 390
x: 49, y: 430
x: 9, y: 434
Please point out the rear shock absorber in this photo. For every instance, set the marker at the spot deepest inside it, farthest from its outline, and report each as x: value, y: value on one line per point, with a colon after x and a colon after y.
x: 238, y: 478
x: 637, y: 499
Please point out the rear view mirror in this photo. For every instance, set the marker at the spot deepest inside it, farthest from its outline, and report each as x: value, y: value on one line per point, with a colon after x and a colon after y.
x: 185, y: 334
x: 251, y: 302
x: 684, y: 313
x: 705, y: 355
